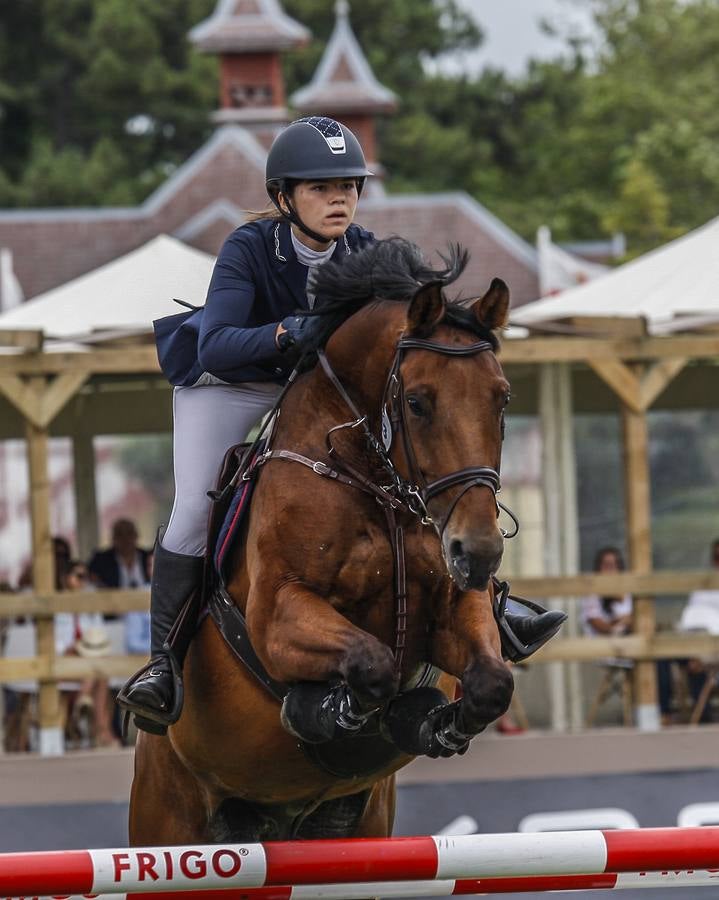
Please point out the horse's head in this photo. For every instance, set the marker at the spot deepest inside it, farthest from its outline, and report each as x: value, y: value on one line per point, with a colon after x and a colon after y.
x: 441, y: 409
x: 449, y: 408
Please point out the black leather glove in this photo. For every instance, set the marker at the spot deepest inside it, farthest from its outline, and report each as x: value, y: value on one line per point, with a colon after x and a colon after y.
x: 301, y: 332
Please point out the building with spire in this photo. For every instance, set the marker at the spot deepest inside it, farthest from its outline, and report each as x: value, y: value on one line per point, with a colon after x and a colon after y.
x: 206, y: 197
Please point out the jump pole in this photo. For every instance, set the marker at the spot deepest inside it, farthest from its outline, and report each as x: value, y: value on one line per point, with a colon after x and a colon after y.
x: 445, y: 858
x: 463, y: 886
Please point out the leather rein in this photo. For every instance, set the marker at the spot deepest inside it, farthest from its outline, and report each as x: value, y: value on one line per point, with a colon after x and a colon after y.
x: 409, y: 495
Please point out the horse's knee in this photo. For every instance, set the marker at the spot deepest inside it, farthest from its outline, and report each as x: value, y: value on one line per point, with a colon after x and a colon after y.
x: 370, y: 671
x: 487, y: 688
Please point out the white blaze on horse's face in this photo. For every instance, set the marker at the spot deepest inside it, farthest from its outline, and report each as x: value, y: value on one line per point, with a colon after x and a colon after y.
x: 454, y: 407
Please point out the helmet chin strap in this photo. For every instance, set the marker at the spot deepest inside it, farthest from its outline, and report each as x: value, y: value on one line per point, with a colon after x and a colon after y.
x: 293, y: 216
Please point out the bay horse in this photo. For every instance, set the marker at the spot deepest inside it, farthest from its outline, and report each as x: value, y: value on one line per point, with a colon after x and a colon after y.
x: 364, y: 576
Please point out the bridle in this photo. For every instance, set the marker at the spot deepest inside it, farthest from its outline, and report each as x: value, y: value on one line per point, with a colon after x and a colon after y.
x: 416, y: 492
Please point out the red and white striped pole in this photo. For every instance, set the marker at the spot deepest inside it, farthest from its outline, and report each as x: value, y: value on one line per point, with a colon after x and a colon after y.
x: 211, y: 868
x: 462, y: 886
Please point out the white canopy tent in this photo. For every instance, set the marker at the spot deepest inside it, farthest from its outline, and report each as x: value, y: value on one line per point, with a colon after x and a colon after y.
x: 673, y: 288
x: 120, y: 298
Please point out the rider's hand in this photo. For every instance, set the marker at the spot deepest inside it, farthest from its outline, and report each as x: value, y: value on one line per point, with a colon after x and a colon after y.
x: 302, y: 332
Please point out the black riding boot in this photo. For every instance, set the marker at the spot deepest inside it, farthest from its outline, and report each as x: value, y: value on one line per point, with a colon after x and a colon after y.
x: 529, y: 633
x: 154, y: 694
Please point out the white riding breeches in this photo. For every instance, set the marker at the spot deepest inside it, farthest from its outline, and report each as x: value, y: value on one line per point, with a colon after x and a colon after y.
x: 208, y: 420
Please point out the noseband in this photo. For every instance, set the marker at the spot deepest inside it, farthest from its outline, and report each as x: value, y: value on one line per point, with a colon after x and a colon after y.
x: 415, y: 491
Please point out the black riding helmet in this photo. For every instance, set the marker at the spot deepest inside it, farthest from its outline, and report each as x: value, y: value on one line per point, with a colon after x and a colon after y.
x: 312, y: 149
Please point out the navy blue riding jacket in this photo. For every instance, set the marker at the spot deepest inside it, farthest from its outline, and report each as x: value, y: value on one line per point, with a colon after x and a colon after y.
x: 256, y: 282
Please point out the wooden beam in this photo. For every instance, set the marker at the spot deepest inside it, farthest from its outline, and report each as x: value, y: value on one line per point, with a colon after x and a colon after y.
x: 43, y: 573
x: 24, y: 338
x: 647, y: 583
x: 23, y: 394
x: 40, y: 400
x: 657, y: 377
x: 58, y: 392
x: 620, y: 378
x: 571, y: 349
x: 128, y: 360
x: 639, y: 541
x: 48, y: 603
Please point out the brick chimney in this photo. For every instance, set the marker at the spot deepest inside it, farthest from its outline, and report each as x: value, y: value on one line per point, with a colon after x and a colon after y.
x: 249, y: 37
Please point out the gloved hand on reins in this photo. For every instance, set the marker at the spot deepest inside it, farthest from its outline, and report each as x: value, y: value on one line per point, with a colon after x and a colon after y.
x: 301, y: 332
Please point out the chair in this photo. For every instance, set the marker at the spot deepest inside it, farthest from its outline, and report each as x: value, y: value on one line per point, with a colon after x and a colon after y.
x: 616, y: 679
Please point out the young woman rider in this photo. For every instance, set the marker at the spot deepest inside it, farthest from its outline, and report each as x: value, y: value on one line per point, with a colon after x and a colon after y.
x: 229, y: 360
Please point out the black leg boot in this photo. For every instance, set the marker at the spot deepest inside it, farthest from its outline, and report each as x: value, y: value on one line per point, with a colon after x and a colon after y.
x: 154, y: 694
x: 525, y: 626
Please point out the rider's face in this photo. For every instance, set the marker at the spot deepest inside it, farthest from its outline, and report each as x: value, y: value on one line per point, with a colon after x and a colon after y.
x: 327, y: 207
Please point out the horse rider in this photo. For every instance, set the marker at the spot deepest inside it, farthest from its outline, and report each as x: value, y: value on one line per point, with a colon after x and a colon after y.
x: 229, y: 360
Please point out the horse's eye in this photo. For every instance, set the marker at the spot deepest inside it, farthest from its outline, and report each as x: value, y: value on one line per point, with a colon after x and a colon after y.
x: 415, y: 406
x: 507, y: 398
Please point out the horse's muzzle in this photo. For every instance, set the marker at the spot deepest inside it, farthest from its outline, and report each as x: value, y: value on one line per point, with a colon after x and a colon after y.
x: 471, y: 565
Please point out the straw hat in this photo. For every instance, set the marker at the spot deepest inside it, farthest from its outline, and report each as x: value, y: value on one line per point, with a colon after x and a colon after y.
x: 94, y: 641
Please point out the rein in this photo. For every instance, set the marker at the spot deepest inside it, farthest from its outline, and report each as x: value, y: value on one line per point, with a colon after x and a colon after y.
x: 405, y: 495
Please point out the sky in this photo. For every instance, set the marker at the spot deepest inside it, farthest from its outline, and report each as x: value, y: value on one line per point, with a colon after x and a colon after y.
x: 512, y: 32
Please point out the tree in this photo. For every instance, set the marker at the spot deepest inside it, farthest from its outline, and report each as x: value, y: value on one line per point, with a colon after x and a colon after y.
x: 98, y: 98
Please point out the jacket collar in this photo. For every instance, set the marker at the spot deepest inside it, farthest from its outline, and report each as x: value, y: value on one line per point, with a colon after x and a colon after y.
x: 288, y: 267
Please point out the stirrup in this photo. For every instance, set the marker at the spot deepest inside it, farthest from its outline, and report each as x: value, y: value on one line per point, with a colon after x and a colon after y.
x: 514, y: 648
x: 149, y: 719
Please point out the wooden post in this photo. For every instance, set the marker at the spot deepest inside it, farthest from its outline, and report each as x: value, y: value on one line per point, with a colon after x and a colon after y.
x: 638, y: 513
x: 83, y: 460
x: 560, y: 523
x: 43, y: 572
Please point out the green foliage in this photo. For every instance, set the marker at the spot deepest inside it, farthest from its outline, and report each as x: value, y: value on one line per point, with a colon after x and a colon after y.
x: 76, y: 75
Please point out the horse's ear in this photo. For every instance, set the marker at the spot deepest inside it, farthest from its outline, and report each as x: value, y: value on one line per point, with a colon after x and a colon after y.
x: 426, y: 309
x: 492, y: 310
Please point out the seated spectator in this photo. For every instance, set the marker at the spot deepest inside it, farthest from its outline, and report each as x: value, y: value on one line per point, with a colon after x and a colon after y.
x: 91, y: 709
x: 607, y: 615
x: 701, y: 614
x: 124, y: 565
x: 612, y: 615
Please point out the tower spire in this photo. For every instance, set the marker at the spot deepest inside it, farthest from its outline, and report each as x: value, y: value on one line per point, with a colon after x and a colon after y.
x: 344, y: 85
x: 249, y: 37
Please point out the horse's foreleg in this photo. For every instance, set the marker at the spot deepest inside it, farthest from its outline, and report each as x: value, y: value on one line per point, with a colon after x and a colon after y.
x: 339, y: 672
x: 466, y: 644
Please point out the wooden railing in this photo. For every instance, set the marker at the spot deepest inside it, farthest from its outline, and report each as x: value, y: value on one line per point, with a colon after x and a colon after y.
x: 51, y: 668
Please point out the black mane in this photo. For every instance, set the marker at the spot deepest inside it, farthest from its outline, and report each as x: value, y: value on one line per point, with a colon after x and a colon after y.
x: 392, y: 269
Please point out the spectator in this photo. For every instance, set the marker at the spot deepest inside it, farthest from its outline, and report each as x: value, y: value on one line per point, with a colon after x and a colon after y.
x: 124, y: 565
x: 92, y: 711
x: 607, y: 615
x: 62, y: 555
x: 137, y: 624
x: 701, y: 614
x: 612, y: 615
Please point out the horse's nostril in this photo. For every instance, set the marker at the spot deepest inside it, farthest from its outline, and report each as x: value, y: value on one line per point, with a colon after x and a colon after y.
x: 459, y: 558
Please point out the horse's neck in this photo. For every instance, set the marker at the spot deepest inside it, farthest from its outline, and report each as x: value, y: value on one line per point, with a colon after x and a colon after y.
x: 360, y: 354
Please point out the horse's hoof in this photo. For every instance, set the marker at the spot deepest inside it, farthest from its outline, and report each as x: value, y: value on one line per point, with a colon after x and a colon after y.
x: 148, y: 725
x: 317, y: 713
x: 405, y: 722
